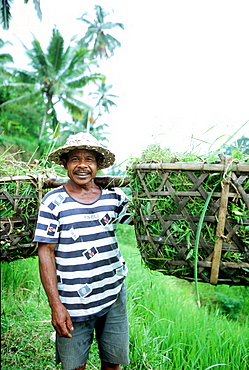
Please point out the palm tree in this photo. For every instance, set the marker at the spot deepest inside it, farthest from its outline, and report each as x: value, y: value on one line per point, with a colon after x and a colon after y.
x: 104, y: 101
x: 102, y: 42
x: 59, y: 76
x: 6, y: 14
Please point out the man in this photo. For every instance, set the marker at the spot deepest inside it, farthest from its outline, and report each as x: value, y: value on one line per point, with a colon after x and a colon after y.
x: 81, y: 267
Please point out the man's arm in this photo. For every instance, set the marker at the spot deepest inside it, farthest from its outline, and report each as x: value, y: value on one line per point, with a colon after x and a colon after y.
x: 60, y: 317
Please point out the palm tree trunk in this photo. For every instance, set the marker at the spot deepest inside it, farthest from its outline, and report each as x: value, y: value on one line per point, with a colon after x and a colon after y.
x: 88, y: 126
x: 43, y: 124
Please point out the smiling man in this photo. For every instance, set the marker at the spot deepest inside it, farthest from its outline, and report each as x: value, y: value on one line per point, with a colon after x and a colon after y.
x: 81, y: 267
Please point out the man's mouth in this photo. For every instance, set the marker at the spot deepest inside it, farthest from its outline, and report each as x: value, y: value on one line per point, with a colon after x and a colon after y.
x: 82, y: 173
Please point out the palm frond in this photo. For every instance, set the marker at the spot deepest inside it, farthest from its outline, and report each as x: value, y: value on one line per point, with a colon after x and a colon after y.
x: 90, y: 34
x: 76, y: 64
x: 5, y: 13
x: 109, y: 25
x: 55, y: 51
x: 82, y: 18
x: 6, y: 58
x: 24, y: 77
x: 76, y: 107
x: 73, y: 109
x: 16, y: 86
x: 83, y: 81
x: 100, y: 14
x: 38, y: 58
x: 38, y: 8
x: 25, y: 98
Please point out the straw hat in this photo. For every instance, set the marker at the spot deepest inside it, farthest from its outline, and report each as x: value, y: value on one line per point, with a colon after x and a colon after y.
x: 83, y: 140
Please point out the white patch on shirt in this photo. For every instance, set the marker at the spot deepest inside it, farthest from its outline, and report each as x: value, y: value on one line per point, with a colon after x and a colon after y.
x: 121, y: 271
x: 59, y: 199
x: 84, y: 291
x: 73, y: 233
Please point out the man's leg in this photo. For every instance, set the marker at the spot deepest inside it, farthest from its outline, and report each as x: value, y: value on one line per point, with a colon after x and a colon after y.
x: 82, y: 367
x: 73, y: 352
x: 112, y: 335
x: 108, y: 366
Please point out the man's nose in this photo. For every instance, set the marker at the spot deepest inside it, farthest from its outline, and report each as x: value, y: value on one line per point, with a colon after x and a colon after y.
x: 82, y: 163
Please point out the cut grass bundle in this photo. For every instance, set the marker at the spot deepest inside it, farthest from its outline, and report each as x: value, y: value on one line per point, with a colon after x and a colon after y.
x: 21, y: 189
x: 19, y: 201
x: 168, y: 200
x: 20, y: 192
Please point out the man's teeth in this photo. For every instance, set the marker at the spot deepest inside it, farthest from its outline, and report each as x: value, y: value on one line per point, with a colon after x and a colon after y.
x: 82, y: 173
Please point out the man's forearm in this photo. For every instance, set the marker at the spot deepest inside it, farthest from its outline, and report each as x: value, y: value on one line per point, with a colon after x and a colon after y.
x: 60, y: 316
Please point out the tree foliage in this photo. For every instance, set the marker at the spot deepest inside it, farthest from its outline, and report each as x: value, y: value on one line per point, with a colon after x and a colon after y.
x: 239, y: 148
x: 61, y: 93
x: 5, y: 11
x: 103, y: 44
x: 58, y: 76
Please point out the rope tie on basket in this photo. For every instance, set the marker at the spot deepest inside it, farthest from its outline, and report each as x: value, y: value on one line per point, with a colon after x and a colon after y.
x: 228, y: 175
x: 228, y: 163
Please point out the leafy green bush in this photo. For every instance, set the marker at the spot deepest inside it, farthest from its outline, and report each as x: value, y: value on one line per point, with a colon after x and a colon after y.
x: 229, y: 306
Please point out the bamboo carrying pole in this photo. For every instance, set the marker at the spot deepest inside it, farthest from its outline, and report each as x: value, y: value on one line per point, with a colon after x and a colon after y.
x: 191, y: 166
x: 221, y: 222
x: 46, y: 182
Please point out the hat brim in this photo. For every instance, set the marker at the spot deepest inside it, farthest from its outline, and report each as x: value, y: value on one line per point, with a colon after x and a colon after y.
x: 108, y: 156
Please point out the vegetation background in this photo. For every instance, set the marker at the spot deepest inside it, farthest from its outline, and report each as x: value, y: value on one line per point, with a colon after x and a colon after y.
x: 167, y: 329
x: 61, y: 81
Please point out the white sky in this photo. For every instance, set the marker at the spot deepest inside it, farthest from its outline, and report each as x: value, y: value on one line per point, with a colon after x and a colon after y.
x: 182, y: 68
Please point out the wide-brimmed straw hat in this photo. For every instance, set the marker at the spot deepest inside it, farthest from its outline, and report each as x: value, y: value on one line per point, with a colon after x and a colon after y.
x: 83, y: 140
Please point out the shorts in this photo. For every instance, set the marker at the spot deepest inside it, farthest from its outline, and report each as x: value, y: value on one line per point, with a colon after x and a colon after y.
x: 111, y: 334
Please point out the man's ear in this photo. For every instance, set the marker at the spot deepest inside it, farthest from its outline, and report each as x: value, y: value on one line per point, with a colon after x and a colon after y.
x: 64, y: 162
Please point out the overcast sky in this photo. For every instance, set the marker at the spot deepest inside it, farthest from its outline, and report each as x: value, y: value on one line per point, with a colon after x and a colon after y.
x: 181, y: 72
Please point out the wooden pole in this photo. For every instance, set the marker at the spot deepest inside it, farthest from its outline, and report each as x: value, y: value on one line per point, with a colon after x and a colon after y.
x: 222, y: 213
x: 190, y: 166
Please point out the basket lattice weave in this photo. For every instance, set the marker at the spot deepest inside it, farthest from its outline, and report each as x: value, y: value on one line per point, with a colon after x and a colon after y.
x: 19, y: 205
x: 169, y: 198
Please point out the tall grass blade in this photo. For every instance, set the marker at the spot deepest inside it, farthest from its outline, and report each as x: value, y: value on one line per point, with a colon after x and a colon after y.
x: 210, y: 367
x: 197, y: 239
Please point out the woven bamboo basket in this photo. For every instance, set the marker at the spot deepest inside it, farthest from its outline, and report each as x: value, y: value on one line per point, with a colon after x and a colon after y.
x: 20, y: 197
x: 169, y: 199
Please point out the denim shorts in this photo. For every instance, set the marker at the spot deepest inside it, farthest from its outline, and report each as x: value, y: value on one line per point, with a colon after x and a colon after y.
x: 111, y: 334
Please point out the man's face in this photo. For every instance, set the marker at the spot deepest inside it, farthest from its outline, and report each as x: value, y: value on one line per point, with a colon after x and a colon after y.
x: 81, y: 166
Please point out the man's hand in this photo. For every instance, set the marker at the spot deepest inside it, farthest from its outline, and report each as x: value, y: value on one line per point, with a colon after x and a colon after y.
x: 61, y: 321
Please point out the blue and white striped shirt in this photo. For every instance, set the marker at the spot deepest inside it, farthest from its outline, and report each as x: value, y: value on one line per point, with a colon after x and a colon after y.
x: 89, y: 266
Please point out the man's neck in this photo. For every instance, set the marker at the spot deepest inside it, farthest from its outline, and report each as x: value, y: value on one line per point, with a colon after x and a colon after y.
x: 85, y: 193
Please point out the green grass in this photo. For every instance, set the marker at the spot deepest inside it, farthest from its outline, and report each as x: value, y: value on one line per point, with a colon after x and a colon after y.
x: 167, y: 329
